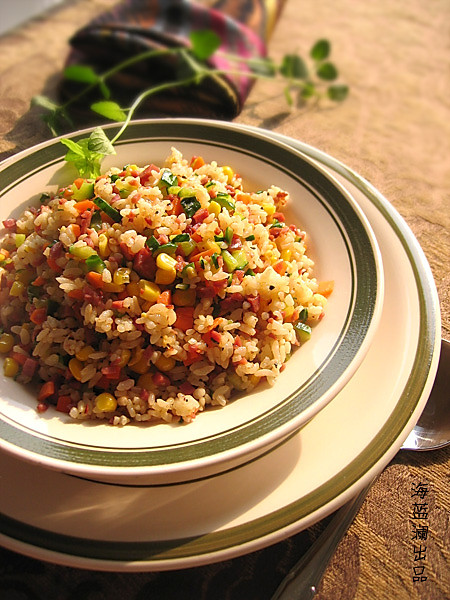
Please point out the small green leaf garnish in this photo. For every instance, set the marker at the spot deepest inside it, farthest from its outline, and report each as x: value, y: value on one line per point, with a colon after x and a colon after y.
x: 109, y: 109
x: 327, y: 71
x: 321, y: 50
x: 81, y: 73
x: 204, y: 43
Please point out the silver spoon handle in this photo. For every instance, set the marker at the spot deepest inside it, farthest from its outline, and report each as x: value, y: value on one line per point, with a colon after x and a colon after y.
x: 303, y: 579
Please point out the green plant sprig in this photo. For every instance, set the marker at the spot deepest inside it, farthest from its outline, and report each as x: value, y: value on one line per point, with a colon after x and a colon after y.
x: 87, y: 154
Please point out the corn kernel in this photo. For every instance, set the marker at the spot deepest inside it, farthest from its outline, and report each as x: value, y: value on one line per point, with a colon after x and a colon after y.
x: 288, y: 312
x: 184, y: 297
x: 228, y: 171
x: 113, y: 287
x: 286, y: 254
x: 2, y: 257
x: 148, y: 291
x: 215, y: 208
x: 165, y: 277
x: 165, y: 363
x: 269, y: 208
x: 10, y: 367
x: 82, y: 252
x: 146, y: 381
x: 121, y: 276
x: 106, y: 402
x: 103, y: 247
x: 125, y: 356
x: 17, y: 289
x: 211, y: 245
x: 75, y: 367
x: 142, y: 366
x: 84, y: 353
x: 165, y: 262
x: 6, y: 343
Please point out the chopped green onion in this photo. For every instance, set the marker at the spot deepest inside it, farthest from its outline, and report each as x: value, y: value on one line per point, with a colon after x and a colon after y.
x: 34, y: 291
x: 44, y: 198
x: 303, y: 332
x: 182, y: 286
x: 96, y: 220
x: 188, y: 247
x: 107, y: 209
x: 230, y: 262
x: 95, y: 263
x: 276, y: 223
x: 167, y: 179
x: 250, y: 238
x: 210, y: 183
x: 85, y: 191
x: 52, y: 307
x: 228, y: 235
x: 152, y: 243
x: 186, y: 192
x: 169, y: 248
x: 190, y: 266
x: 173, y: 189
x: 190, y: 206
x: 182, y: 237
x: 225, y: 201
x: 303, y: 316
x: 250, y: 272
x: 218, y: 238
x: 241, y: 258
x: 114, y: 178
x: 214, y: 260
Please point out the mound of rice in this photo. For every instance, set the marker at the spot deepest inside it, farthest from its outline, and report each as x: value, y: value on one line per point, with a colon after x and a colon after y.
x: 151, y: 293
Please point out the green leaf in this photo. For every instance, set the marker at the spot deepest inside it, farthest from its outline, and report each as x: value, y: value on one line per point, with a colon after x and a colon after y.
x: 287, y: 95
x: 109, y: 109
x: 204, y: 43
x: 263, y: 66
x: 74, y: 147
x: 321, y: 50
x: 338, y: 93
x: 99, y: 142
x: 81, y: 73
x: 327, y: 71
x: 44, y: 102
x: 293, y: 67
x: 308, y: 91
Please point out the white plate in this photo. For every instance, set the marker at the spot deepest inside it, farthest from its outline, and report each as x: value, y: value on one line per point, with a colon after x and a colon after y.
x: 70, y: 521
x: 345, y: 250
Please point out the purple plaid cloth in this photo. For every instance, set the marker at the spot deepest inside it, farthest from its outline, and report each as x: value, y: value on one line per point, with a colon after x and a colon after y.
x: 135, y: 26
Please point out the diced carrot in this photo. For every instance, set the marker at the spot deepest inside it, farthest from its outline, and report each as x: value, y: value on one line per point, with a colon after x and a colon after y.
x: 5, y: 252
x: 196, y: 237
x: 203, y: 254
x: 177, y: 207
x: 47, y: 390
x: 76, y: 229
x: 20, y: 358
x: 165, y: 298
x: 53, y: 264
x: 280, y: 267
x: 63, y: 404
x: 76, y: 294
x: 38, y: 316
x: 84, y: 205
x: 95, y: 279
x: 245, y: 198
x: 325, y: 288
x: 185, y: 317
x: 197, y: 162
x: 79, y: 182
x: 38, y: 281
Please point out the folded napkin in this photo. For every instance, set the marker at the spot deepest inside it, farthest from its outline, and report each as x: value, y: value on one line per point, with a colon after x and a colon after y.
x: 135, y: 26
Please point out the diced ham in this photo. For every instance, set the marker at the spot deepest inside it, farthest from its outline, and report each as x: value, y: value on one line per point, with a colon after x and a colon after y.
x: 144, y: 264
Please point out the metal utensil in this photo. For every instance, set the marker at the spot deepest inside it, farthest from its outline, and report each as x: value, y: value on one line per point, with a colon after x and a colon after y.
x: 431, y: 432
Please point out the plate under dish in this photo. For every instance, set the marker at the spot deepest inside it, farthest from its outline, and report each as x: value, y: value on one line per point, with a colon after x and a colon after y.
x: 345, y: 250
x: 283, y: 492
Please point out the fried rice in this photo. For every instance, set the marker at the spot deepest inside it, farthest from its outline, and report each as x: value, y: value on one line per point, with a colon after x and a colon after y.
x: 154, y: 292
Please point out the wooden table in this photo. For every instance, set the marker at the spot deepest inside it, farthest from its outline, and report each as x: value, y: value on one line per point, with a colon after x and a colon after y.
x: 394, y: 129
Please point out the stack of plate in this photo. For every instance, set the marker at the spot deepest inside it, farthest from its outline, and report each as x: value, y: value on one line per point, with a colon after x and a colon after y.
x: 273, y: 462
